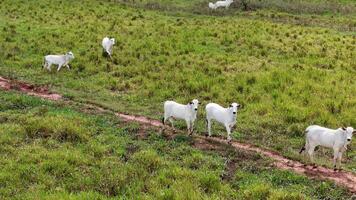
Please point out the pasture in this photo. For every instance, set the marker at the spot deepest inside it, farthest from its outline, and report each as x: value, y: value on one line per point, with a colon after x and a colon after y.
x: 55, y: 151
x: 287, y: 68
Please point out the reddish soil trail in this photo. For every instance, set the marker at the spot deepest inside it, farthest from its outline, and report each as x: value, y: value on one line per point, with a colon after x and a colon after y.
x: 347, y: 179
x: 28, y: 89
x: 343, y: 178
x: 139, y: 119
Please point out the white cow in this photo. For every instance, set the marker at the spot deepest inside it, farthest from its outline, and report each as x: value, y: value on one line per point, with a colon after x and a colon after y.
x: 212, y: 6
x: 108, y: 44
x: 218, y: 4
x: 225, y: 116
x: 336, y: 139
x: 59, y: 60
x: 174, y: 110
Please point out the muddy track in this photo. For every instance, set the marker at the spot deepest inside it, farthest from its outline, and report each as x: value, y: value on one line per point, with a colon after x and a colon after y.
x: 343, y: 178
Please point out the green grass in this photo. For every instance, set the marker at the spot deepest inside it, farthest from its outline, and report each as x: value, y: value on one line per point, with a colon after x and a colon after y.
x: 52, y: 151
x: 291, y: 6
x: 338, y: 15
x: 286, y: 76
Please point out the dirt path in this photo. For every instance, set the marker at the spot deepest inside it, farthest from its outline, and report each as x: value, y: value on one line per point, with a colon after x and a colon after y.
x: 343, y: 178
x: 28, y: 89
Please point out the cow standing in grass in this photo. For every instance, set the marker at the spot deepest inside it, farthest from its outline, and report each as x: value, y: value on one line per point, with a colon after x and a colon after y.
x: 188, y: 112
x: 108, y: 44
x: 225, y: 116
x: 336, y: 139
x: 60, y: 60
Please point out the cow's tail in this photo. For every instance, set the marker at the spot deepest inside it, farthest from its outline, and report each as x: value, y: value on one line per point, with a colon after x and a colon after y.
x: 163, y: 120
x: 303, y: 148
x: 44, y: 62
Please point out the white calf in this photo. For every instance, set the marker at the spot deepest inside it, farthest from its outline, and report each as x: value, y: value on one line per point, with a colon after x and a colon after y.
x: 59, y: 60
x: 108, y: 44
x: 336, y: 139
x: 225, y: 116
x: 173, y: 110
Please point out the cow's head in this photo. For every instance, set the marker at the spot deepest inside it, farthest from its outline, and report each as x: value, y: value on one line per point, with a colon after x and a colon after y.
x: 112, y: 40
x: 70, y: 55
x: 349, y: 131
x: 194, y: 105
x: 234, y: 107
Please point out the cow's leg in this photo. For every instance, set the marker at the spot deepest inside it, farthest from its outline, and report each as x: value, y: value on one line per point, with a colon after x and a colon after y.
x: 49, y: 66
x: 228, y: 130
x: 188, y: 126
x: 59, y: 67
x: 310, y: 151
x: 67, y: 66
x: 305, y: 148
x: 339, y: 159
x: 164, y: 120
x: 336, y: 155
x: 232, y: 127
x: 208, y: 124
x: 191, y: 127
x: 171, y: 120
x: 110, y: 52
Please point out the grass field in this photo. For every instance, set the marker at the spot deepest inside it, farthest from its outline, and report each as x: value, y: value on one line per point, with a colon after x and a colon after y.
x: 288, y: 68
x: 53, y: 151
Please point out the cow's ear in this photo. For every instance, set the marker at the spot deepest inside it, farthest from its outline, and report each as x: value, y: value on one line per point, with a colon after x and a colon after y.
x: 344, y: 128
x: 238, y: 105
x: 230, y: 105
x: 199, y: 103
x: 190, y: 103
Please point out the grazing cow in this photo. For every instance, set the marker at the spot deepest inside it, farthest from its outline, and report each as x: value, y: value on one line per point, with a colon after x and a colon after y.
x: 59, y: 60
x: 218, y: 4
x: 108, y: 44
x: 173, y: 110
x: 336, y: 139
x: 225, y: 116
